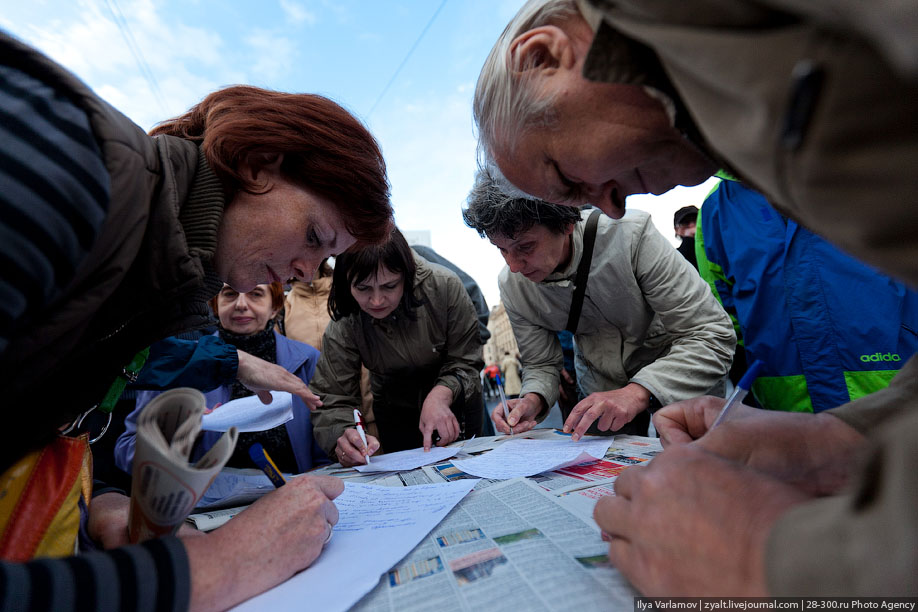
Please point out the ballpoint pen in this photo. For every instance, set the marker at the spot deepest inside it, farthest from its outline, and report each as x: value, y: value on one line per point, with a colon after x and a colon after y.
x: 261, y: 458
x: 742, y: 388
x: 503, y: 400
x: 363, y: 436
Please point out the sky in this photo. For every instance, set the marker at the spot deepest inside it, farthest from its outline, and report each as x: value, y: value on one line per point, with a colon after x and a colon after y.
x: 406, y: 68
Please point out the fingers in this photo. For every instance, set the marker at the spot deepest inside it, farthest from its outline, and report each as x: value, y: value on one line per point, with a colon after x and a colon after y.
x: 451, y: 427
x: 350, y: 450
x: 309, y: 398
x: 497, y: 415
x: 264, y: 396
x: 427, y: 431
x: 581, y: 417
x: 330, y: 486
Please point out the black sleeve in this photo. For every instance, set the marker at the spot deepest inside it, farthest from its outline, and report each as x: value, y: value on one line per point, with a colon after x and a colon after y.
x: 151, y: 576
x: 54, y: 195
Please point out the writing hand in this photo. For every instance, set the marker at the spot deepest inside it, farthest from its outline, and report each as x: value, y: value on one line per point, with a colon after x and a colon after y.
x: 350, y: 450
x: 276, y: 537
x: 523, y: 413
x: 692, y: 524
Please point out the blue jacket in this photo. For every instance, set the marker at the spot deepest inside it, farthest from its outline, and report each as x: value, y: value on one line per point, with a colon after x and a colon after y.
x: 829, y: 328
x: 295, y: 357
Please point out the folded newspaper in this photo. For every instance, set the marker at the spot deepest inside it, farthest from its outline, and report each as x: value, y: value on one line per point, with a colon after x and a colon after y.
x: 166, y: 485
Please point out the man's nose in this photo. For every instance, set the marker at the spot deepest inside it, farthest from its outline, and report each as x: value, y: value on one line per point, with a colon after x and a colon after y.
x: 305, y: 268
x: 515, y: 263
x: 604, y: 197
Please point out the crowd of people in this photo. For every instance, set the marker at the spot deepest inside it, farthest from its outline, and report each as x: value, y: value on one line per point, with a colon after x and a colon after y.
x: 115, y: 241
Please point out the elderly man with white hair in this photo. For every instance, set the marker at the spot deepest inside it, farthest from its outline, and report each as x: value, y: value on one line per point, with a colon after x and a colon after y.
x: 812, y: 104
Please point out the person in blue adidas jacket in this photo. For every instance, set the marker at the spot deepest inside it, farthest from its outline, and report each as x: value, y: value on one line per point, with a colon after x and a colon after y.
x: 829, y: 328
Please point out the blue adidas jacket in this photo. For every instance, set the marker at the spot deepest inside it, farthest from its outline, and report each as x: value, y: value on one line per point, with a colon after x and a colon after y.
x: 829, y: 328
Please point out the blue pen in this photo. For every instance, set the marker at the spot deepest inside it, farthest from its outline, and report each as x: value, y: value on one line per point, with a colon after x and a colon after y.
x: 742, y: 388
x: 503, y: 400
x: 261, y: 458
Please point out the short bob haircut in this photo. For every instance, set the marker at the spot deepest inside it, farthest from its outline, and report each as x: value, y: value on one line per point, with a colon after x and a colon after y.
x: 493, y: 212
x: 355, y: 266
x: 326, y: 150
x: 504, y: 104
x: 275, y: 289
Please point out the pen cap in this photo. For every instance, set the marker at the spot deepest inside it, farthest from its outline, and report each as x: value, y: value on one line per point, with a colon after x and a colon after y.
x: 751, y: 374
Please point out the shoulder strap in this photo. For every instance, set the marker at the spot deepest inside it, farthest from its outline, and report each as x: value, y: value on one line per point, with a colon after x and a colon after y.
x: 583, y: 271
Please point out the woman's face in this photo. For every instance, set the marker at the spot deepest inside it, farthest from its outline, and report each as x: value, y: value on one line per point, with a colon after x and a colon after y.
x: 245, y: 313
x: 379, y: 296
x: 277, y: 235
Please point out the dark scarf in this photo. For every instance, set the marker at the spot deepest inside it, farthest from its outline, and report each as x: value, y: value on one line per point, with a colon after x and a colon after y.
x: 263, y: 345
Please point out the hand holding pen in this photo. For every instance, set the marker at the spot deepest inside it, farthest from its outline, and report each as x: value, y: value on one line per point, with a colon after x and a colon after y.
x: 358, y: 419
x: 352, y: 449
x: 503, y: 402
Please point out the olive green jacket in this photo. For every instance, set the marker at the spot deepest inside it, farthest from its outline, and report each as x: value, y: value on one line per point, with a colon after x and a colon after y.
x: 405, y: 357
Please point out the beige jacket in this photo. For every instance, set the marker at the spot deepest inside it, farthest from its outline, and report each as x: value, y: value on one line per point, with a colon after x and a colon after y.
x: 647, y: 317
x: 812, y: 103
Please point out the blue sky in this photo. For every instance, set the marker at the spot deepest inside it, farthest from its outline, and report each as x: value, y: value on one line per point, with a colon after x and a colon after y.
x: 152, y: 59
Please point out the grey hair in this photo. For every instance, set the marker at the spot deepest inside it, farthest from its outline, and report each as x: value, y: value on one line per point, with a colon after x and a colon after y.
x: 492, y: 211
x: 504, y: 101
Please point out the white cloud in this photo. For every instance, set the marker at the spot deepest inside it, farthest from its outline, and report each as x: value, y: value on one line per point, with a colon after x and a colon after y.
x: 297, y: 13
x: 272, y: 55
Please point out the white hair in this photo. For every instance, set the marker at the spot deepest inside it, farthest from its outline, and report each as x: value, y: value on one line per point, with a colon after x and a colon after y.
x: 504, y: 102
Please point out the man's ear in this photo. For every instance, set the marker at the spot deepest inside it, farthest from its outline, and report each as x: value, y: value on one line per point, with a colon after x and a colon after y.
x: 543, y: 48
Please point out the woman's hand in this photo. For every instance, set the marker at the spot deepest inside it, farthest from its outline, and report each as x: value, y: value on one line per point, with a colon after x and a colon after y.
x: 274, y: 538
x: 436, y: 414
x: 523, y: 413
x: 350, y: 450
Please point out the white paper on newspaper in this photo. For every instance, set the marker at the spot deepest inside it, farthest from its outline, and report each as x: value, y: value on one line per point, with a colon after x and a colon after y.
x: 523, y: 457
x: 377, y: 527
x: 408, y: 459
x: 165, y: 485
x: 506, y: 548
x: 249, y: 414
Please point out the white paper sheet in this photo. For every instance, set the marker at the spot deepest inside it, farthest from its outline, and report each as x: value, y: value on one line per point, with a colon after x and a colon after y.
x: 408, y: 459
x: 377, y: 527
x: 249, y: 414
x: 524, y: 457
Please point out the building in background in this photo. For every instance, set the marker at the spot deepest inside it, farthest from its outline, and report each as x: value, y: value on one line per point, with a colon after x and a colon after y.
x: 502, y: 338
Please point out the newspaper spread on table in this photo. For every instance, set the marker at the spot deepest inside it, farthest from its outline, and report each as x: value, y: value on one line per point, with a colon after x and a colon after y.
x: 166, y: 487
x: 510, y: 546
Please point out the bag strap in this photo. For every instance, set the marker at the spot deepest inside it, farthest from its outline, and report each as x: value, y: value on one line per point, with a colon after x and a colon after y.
x: 583, y: 271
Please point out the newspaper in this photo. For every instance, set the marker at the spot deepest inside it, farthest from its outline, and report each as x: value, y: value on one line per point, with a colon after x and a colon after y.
x: 166, y: 486
x: 511, y: 547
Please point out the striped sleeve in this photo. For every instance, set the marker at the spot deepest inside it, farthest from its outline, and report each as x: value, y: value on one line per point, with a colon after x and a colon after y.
x: 153, y: 576
x: 54, y: 195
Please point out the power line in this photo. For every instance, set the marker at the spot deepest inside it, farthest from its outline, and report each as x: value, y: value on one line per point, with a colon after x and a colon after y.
x: 407, y: 56
x: 121, y: 22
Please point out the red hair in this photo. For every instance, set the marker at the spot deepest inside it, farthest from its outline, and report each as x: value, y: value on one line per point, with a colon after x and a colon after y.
x: 326, y: 150
x: 275, y: 289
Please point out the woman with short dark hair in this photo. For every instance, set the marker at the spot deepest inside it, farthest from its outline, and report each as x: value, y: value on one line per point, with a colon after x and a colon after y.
x: 412, y: 324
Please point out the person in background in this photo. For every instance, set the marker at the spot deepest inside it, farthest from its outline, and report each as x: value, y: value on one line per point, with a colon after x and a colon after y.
x: 648, y: 326
x: 412, y: 324
x: 247, y: 321
x: 684, y: 225
x: 791, y: 294
x: 114, y: 239
x: 510, y: 366
x: 592, y: 101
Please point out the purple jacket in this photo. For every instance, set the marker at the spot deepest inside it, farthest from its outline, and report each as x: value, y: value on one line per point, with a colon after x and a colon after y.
x: 295, y: 357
